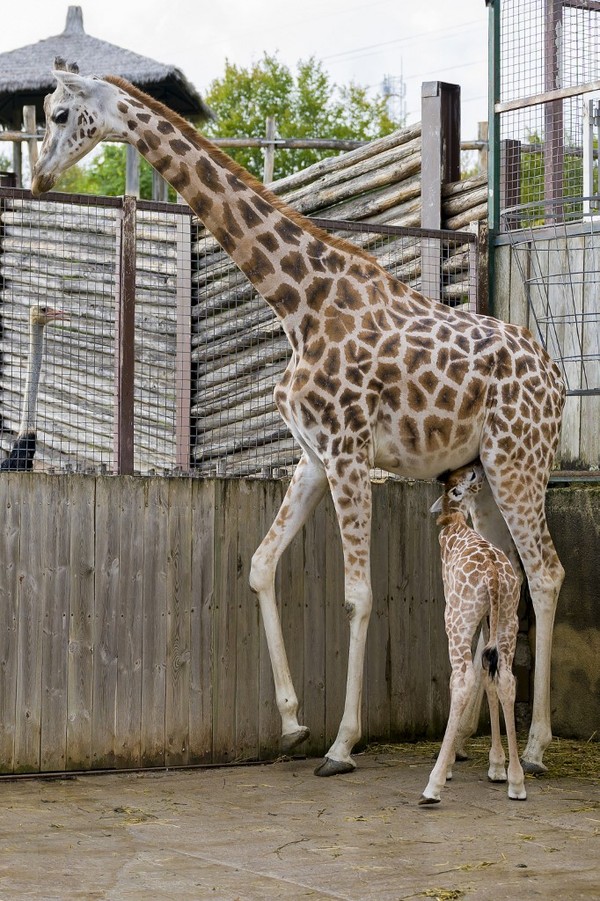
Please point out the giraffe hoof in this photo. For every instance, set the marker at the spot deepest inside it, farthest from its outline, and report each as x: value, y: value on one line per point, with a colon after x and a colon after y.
x: 289, y: 741
x: 424, y: 800
x: 534, y: 769
x: 330, y: 767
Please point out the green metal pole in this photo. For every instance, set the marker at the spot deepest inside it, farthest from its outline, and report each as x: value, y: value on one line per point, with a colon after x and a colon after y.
x: 493, y: 140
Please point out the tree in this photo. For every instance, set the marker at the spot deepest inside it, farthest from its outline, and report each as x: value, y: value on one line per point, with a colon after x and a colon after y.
x: 304, y: 105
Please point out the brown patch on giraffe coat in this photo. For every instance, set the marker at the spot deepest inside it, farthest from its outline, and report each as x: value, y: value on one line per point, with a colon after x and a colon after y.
x: 208, y: 174
x: 236, y: 184
x: 201, y: 205
x: 144, y: 117
x: 259, y: 266
x: 429, y: 381
x: 131, y: 124
x: 338, y: 325
x: 437, y: 432
x: 318, y: 291
x: 164, y: 127
x: 288, y: 231
x: 250, y: 216
x: 180, y: 147
x: 164, y: 163
x: 293, y: 264
x: 472, y: 399
x: 141, y: 146
x: 122, y: 107
x: 231, y: 223
x: 309, y: 327
x: 268, y: 241
x: 416, y: 357
x: 334, y: 261
x: 391, y: 397
x: 417, y: 399
x: 286, y: 299
x: 409, y: 434
x: 313, y: 351
x: 347, y: 297
x: 182, y: 179
x: 332, y: 362
x: 390, y: 347
x: 224, y: 238
x: 388, y: 373
x: 446, y: 398
x: 457, y: 371
x: 504, y: 364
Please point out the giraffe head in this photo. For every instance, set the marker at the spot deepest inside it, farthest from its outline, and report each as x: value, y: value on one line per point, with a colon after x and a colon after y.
x: 461, y: 487
x: 77, y: 118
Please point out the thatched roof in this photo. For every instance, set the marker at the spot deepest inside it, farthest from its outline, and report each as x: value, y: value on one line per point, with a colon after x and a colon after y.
x: 25, y: 74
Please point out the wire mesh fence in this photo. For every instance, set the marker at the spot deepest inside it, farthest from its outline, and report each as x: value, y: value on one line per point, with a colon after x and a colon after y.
x: 549, y: 73
x: 167, y: 358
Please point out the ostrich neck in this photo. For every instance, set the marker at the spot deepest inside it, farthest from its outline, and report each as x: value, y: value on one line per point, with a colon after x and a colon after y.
x: 34, y: 367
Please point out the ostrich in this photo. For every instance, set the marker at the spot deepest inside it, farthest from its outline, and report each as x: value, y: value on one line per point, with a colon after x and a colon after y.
x: 20, y: 459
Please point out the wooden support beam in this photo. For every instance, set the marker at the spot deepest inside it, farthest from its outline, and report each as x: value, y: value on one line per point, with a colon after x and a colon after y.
x: 125, y: 336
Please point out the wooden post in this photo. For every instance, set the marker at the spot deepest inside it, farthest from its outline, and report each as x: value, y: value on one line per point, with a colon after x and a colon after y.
x: 440, y: 128
x: 18, y: 164
x: 183, y: 352
x: 269, y: 166
x: 30, y: 128
x: 510, y: 181
x: 483, y: 135
x: 554, y: 150
x: 132, y: 171
x: 160, y: 188
x: 125, y: 337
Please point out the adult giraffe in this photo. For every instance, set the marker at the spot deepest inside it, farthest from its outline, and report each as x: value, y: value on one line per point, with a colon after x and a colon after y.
x: 379, y: 376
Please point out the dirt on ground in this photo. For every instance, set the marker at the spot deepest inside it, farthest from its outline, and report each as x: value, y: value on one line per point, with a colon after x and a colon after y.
x: 276, y: 831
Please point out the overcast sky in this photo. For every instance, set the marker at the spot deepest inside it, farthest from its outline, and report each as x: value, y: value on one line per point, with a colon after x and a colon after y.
x: 356, y: 40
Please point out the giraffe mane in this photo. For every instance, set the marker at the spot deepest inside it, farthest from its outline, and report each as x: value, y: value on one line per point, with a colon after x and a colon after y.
x: 224, y: 160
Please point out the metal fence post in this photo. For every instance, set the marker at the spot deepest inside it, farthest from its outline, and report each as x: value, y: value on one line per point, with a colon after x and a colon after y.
x: 125, y: 336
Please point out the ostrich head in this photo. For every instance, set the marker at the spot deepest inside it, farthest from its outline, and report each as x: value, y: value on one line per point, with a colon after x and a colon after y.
x: 42, y: 315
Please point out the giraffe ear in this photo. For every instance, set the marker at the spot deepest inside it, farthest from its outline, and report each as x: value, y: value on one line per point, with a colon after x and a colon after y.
x: 436, y: 507
x: 71, y: 81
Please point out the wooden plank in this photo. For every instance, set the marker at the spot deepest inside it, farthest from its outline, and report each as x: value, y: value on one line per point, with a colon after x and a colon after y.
x: 248, y: 626
x: 225, y: 635
x: 30, y: 566
x: 337, y: 633
x: 107, y: 592
x: 9, y: 610
x: 269, y: 498
x: 376, y: 695
x: 55, y: 608
x: 129, y: 639
x: 81, y: 494
x: 154, y: 582
x: 314, y: 591
x: 179, y: 565
x: 201, y: 621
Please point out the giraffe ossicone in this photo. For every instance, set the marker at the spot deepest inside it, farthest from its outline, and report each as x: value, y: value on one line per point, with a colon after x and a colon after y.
x: 379, y: 376
x: 479, y: 581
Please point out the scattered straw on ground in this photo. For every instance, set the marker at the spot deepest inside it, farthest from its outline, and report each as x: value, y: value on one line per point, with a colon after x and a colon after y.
x: 564, y: 757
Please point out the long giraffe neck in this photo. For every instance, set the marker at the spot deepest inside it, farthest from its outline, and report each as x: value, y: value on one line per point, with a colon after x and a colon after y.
x: 290, y: 263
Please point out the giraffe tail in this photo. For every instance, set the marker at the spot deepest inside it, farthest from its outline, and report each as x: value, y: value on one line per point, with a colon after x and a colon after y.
x: 489, y: 657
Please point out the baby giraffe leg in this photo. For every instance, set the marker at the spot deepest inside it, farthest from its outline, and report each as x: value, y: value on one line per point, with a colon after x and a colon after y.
x: 461, y: 683
x: 506, y: 693
x: 497, y: 758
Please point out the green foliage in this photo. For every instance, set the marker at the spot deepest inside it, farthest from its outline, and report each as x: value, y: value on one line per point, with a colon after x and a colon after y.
x: 304, y: 105
x: 5, y: 163
x: 106, y: 175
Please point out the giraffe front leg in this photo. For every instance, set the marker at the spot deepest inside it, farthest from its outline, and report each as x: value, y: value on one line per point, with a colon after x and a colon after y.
x: 461, y: 685
x: 305, y: 491
x: 353, y: 508
x: 497, y: 758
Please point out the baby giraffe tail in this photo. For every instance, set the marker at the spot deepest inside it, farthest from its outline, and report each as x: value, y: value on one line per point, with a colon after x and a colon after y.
x: 489, y: 657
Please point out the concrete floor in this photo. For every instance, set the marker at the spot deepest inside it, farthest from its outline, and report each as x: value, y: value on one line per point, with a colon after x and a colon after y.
x: 276, y: 831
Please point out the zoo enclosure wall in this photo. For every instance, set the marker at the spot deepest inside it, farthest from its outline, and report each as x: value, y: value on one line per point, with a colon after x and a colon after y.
x: 168, y: 359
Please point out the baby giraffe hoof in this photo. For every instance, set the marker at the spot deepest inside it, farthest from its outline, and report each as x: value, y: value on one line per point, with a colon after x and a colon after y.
x: 517, y: 794
x: 424, y: 800
x: 289, y: 741
x: 330, y: 767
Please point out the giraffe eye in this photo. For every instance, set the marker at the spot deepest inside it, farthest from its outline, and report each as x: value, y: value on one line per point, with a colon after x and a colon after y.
x: 60, y: 116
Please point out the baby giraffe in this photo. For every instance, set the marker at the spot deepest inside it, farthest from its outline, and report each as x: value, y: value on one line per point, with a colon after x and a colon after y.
x: 479, y: 580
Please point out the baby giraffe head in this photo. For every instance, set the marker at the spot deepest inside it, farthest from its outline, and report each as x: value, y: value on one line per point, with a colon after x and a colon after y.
x: 77, y: 118
x: 461, y: 487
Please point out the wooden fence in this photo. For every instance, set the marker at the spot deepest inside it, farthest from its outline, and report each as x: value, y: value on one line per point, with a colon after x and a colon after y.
x: 129, y: 636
